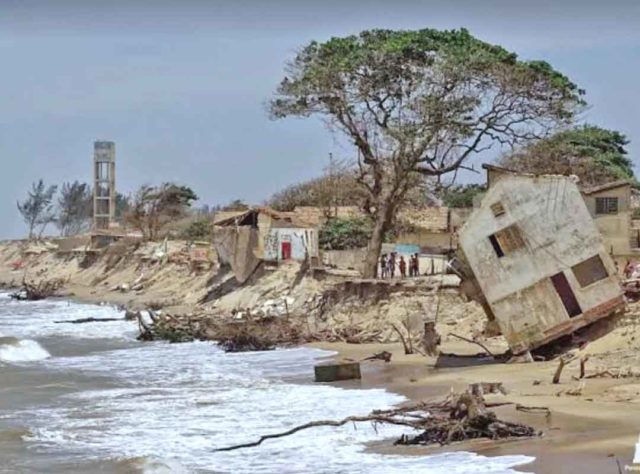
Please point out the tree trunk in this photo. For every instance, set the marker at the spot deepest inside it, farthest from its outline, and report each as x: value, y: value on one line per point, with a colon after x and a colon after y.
x: 381, y: 225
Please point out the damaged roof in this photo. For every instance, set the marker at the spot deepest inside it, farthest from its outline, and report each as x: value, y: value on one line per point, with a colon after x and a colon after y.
x: 604, y: 187
x: 250, y: 217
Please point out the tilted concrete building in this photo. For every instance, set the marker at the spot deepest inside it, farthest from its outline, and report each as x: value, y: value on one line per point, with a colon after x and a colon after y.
x: 610, y: 206
x: 537, y: 261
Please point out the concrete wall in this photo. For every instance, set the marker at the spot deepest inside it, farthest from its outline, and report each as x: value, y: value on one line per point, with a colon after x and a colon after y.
x: 615, y: 228
x: 67, y: 244
x: 304, y: 242
x: 425, y: 238
x: 236, y: 247
x: 558, y: 233
x: 351, y: 259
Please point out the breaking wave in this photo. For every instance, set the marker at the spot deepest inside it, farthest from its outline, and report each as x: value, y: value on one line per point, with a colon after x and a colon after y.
x: 144, y: 465
x: 21, y: 350
x: 157, y: 408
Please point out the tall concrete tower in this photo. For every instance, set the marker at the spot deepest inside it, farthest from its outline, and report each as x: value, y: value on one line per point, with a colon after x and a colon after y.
x: 104, y: 186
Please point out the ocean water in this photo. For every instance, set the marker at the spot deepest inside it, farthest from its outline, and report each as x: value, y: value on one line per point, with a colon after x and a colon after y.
x: 78, y: 398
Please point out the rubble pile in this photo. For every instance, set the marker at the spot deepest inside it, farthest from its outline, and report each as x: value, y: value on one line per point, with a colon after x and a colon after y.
x: 232, y: 334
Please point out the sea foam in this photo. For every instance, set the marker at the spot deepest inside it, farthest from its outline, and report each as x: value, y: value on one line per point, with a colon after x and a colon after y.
x: 21, y: 350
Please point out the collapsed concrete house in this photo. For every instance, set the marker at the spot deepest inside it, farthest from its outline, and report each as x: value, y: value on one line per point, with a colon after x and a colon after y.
x: 536, y: 261
x: 610, y: 205
x: 246, y: 238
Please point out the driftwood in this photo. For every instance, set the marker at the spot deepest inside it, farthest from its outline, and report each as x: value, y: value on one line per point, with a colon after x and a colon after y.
x: 564, y: 361
x: 583, y: 361
x: 614, y: 374
x: 457, y: 418
x: 526, y: 409
x: 406, y: 342
x: 384, y: 355
x: 471, y: 341
x: 34, y: 291
x: 88, y: 320
x: 558, y: 373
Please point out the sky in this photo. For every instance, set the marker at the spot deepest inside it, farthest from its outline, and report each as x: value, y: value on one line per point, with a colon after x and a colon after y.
x: 182, y: 86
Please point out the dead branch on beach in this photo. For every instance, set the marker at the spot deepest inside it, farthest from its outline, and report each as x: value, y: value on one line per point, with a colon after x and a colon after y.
x: 471, y: 341
x: 614, y: 373
x: 89, y: 320
x: 459, y: 417
x: 526, y: 409
x: 407, y: 344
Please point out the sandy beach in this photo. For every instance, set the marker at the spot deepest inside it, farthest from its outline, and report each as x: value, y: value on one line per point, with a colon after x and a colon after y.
x: 582, y: 434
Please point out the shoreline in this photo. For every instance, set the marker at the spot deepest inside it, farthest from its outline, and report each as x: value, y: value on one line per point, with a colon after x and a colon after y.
x: 585, y: 433
x: 579, y: 436
x: 574, y: 439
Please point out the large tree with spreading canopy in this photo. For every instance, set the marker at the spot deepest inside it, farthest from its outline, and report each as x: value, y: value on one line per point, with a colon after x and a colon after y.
x: 596, y: 155
x: 421, y: 103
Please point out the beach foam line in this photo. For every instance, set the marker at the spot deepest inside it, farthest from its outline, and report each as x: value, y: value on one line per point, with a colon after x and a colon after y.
x: 21, y: 350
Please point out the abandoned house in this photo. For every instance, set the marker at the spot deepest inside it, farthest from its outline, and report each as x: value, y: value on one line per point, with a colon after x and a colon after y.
x: 611, y: 207
x: 290, y: 241
x: 246, y: 238
x: 537, y: 261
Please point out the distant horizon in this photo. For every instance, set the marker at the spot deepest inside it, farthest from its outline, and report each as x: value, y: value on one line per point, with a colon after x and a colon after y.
x: 181, y: 87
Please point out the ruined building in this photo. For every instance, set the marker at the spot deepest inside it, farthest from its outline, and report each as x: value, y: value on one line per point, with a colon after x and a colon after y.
x: 246, y: 238
x: 104, y: 186
x: 536, y: 260
x: 610, y: 206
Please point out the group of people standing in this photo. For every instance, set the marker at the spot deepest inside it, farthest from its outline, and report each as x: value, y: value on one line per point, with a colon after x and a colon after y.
x: 388, y: 264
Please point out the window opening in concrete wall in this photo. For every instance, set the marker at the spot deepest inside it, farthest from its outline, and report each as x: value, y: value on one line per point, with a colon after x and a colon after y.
x: 497, y: 208
x: 507, y: 240
x: 496, y: 246
x: 590, y: 271
x: 510, y: 238
x: 606, y: 205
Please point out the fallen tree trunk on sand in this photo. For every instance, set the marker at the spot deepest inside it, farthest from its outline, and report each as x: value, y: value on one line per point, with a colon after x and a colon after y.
x: 88, y: 320
x: 34, y: 291
x: 459, y: 417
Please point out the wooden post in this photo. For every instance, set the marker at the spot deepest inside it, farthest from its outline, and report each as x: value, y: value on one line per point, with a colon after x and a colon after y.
x: 556, y: 376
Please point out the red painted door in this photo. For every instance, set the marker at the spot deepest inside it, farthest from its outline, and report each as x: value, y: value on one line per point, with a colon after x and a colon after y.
x: 286, y: 250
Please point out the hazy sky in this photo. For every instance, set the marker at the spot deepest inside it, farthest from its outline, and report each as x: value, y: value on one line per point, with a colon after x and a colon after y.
x: 181, y: 86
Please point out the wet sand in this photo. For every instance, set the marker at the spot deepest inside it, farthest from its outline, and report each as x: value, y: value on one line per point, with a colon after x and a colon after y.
x: 583, y: 434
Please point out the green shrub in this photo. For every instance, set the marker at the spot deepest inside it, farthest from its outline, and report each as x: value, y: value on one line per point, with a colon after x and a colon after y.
x: 197, y: 230
x: 462, y: 195
x: 348, y: 233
